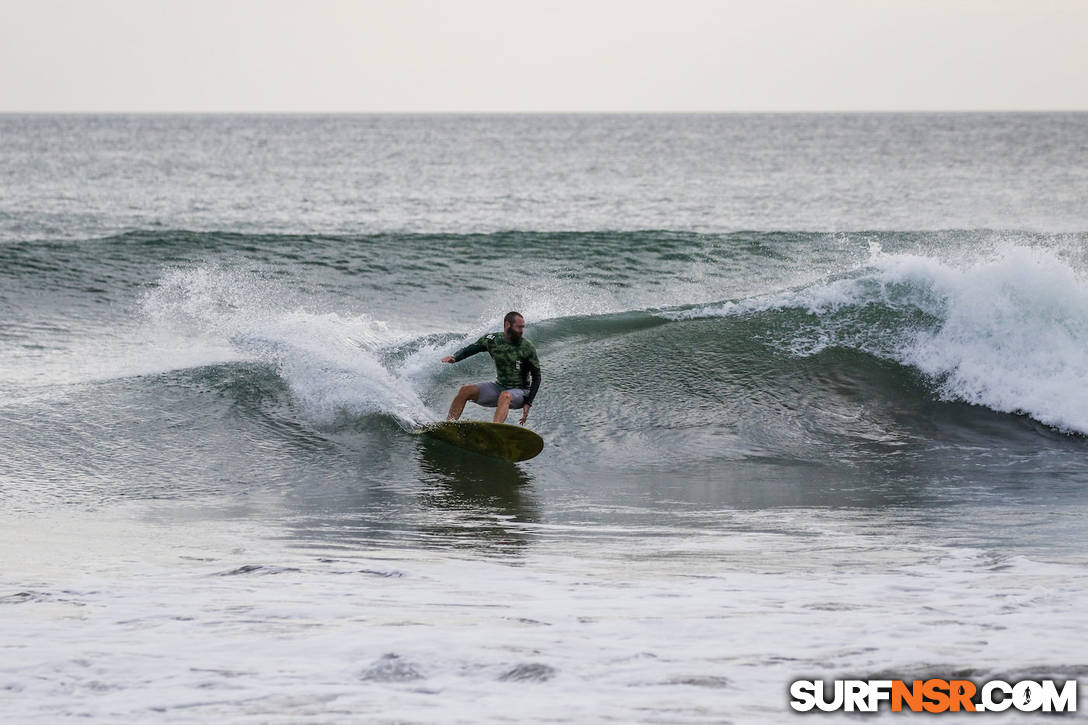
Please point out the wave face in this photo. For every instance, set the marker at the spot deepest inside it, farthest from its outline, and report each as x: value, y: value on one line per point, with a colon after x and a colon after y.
x: 661, y: 349
x: 1006, y: 330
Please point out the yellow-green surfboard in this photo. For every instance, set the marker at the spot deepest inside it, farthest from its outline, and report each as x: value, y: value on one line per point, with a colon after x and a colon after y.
x: 502, y: 440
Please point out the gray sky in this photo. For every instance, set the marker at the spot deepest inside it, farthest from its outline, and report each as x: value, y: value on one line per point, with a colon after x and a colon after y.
x: 546, y: 55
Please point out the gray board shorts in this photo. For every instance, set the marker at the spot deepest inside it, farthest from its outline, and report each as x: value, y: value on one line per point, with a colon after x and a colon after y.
x: 489, y: 395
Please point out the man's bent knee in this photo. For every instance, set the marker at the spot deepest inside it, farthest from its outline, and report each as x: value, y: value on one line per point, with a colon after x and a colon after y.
x: 505, y: 397
x: 471, y: 392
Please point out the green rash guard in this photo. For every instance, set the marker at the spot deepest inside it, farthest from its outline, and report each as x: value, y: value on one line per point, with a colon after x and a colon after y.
x: 514, y: 362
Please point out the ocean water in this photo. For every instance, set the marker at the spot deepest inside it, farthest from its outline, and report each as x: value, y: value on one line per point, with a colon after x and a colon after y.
x: 813, y: 402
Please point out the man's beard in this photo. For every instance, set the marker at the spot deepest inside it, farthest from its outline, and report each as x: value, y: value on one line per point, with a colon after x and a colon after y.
x: 514, y: 336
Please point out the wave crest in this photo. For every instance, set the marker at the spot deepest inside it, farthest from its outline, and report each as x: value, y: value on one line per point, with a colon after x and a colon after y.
x: 331, y: 362
x: 1009, y: 332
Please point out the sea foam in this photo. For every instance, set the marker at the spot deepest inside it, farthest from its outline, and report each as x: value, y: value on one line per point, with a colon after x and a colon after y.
x: 331, y: 361
x: 1007, y: 330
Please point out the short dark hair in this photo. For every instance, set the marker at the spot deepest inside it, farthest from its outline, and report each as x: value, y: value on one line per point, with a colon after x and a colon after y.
x: 510, y: 317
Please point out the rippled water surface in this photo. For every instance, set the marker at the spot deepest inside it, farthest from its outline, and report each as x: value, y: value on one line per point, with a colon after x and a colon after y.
x: 812, y: 401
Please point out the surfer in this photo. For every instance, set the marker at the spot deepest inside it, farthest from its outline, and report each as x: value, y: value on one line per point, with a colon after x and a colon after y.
x: 515, y: 363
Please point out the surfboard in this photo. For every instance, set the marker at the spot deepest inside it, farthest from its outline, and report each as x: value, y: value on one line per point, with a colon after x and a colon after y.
x: 502, y: 440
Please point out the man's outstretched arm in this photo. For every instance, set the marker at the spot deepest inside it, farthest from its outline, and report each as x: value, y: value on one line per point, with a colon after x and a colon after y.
x: 466, y: 351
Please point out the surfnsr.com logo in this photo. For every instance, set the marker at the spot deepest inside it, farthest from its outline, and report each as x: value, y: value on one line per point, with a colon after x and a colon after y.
x: 934, y: 695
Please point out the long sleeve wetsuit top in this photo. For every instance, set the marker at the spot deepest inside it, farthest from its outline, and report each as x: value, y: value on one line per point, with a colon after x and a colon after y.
x: 515, y: 362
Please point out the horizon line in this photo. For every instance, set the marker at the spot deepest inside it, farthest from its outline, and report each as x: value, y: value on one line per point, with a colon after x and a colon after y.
x: 527, y: 113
